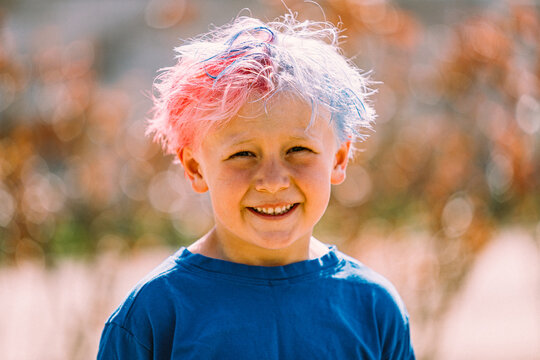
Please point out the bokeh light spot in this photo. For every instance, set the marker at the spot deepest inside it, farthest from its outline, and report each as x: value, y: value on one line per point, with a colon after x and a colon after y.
x: 7, y: 91
x: 163, y: 14
x: 164, y: 191
x: 528, y: 114
x: 499, y: 174
x: 7, y: 207
x: 457, y: 216
x: 355, y: 189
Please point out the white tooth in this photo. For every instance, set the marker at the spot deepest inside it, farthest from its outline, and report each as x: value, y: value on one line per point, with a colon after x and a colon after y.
x: 279, y: 210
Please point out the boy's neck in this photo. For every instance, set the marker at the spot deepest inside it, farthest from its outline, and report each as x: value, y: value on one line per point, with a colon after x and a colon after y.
x: 210, y: 245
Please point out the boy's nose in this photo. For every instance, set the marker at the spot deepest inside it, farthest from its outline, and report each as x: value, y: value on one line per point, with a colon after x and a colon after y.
x: 272, y: 177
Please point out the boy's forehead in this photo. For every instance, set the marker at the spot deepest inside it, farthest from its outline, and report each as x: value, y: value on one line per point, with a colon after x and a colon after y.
x: 286, y: 124
x: 295, y: 117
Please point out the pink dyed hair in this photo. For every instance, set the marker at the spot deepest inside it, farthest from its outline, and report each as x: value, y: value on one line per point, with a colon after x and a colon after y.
x: 217, y: 72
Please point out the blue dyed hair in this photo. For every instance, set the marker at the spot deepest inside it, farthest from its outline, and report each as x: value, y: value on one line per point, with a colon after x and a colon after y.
x: 217, y: 72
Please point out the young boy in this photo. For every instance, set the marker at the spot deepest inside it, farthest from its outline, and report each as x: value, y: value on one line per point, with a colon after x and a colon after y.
x: 262, y: 116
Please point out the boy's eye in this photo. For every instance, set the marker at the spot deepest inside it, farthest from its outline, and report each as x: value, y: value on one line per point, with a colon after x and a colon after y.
x: 295, y: 149
x: 241, y: 154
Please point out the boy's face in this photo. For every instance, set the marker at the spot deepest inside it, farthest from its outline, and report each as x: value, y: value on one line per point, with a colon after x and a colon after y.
x: 268, y: 174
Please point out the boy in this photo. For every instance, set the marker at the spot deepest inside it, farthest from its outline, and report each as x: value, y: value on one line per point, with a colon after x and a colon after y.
x: 262, y: 116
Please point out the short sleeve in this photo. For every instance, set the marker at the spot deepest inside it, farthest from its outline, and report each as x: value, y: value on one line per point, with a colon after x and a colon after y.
x: 401, y: 346
x: 118, y: 343
x: 393, y: 324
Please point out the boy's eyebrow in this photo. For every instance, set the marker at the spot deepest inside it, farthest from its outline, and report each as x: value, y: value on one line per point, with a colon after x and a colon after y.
x: 239, y: 140
x: 306, y: 137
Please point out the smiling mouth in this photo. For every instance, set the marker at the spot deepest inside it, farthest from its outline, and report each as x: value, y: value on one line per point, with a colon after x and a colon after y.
x: 274, y: 211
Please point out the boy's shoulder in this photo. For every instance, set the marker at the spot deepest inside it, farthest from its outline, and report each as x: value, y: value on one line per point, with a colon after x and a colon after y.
x: 356, y: 272
x: 151, y: 288
x: 376, y: 295
x: 370, y: 283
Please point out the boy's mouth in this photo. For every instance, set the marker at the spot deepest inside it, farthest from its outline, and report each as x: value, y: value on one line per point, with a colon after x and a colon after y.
x: 273, y: 211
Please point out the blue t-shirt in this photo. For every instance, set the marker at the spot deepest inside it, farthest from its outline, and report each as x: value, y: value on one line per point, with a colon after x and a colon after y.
x: 196, y: 307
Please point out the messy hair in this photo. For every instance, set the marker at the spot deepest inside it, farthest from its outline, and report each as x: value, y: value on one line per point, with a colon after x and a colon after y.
x: 216, y: 73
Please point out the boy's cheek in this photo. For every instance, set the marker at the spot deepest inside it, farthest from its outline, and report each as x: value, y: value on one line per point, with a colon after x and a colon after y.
x: 234, y: 174
x: 313, y: 173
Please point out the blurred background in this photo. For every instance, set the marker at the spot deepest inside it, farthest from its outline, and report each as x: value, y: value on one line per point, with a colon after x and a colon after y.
x: 444, y: 198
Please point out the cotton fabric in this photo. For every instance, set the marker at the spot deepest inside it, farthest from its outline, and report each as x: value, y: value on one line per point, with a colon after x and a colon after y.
x: 196, y: 307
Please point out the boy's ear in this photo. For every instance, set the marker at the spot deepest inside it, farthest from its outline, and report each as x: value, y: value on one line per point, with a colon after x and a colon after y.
x: 192, y: 169
x: 341, y: 159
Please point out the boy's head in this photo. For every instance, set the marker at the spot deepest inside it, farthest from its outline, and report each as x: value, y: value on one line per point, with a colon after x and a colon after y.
x: 263, y: 117
x: 218, y: 72
x: 268, y: 171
